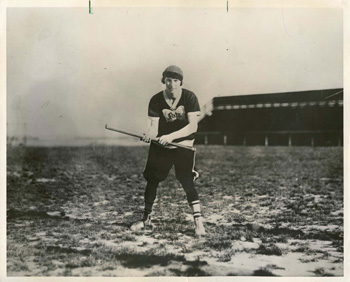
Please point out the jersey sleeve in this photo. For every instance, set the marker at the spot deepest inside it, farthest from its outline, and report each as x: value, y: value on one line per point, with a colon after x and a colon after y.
x: 153, y: 108
x: 193, y: 105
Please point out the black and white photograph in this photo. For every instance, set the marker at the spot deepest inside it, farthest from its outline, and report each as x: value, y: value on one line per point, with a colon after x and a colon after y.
x: 179, y: 140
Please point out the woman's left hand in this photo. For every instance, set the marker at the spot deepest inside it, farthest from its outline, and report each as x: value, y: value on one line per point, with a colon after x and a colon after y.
x: 165, y: 139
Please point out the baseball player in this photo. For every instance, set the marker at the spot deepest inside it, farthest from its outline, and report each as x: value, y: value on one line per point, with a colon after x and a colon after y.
x: 173, y: 115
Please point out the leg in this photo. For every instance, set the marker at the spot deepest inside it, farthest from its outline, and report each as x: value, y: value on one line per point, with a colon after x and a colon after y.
x: 150, y: 196
x: 157, y: 169
x: 190, y: 190
x: 193, y: 200
x: 185, y: 173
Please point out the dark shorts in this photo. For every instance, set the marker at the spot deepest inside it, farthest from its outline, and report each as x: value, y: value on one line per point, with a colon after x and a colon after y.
x: 160, y: 161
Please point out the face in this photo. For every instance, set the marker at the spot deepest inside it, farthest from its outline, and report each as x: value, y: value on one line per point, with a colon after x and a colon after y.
x: 172, y: 84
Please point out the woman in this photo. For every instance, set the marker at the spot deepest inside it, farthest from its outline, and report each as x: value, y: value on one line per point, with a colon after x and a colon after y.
x: 173, y: 117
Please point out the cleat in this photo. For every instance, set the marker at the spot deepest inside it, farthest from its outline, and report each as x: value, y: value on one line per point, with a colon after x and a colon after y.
x: 199, y: 228
x: 144, y: 223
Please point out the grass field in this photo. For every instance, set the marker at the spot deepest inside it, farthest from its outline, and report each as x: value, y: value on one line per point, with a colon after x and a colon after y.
x: 267, y: 210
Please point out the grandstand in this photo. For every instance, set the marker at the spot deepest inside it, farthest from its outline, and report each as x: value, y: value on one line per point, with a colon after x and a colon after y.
x: 303, y: 118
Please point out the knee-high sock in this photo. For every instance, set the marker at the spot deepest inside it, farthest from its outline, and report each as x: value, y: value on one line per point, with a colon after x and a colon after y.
x: 150, y: 195
x: 196, y: 208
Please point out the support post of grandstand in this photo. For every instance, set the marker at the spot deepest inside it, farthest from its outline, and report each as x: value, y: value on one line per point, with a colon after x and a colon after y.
x: 266, y: 140
x: 290, y: 140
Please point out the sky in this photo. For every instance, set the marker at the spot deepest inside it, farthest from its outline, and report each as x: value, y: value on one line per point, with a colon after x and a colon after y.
x: 70, y: 72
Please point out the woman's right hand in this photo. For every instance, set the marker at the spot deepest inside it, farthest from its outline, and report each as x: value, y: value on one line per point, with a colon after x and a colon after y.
x: 146, y: 138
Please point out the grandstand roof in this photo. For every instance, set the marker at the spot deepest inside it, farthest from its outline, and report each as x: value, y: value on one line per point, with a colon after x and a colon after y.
x: 285, y: 97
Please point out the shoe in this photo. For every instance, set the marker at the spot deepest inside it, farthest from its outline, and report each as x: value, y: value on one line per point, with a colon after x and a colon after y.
x: 145, y: 222
x: 198, y: 225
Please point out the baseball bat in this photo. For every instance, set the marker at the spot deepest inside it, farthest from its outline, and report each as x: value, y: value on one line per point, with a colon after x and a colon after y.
x: 152, y: 139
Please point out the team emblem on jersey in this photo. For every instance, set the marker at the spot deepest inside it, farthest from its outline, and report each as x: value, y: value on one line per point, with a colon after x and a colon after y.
x: 172, y: 115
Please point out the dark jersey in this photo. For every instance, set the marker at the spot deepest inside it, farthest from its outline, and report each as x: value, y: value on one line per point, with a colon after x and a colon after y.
x: 173, y: 119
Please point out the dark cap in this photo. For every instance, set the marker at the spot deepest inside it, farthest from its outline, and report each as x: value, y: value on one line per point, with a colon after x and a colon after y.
x: 173, y: 72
